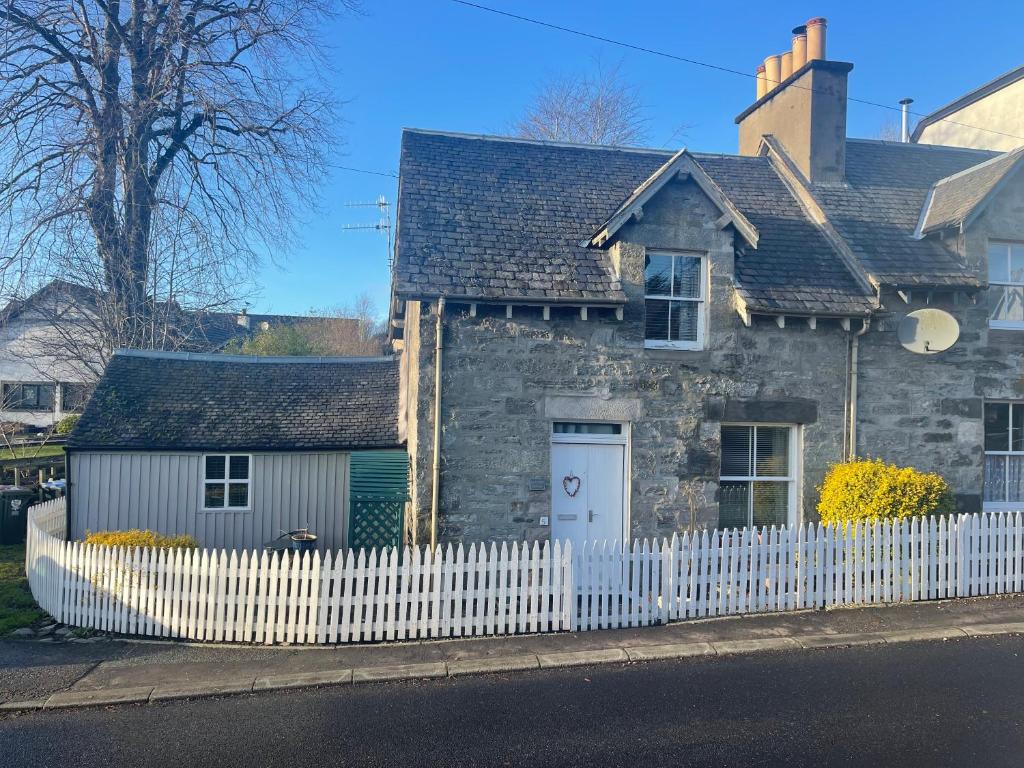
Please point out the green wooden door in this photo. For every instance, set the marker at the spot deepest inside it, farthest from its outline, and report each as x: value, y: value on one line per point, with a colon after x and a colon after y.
x: 378, y: 492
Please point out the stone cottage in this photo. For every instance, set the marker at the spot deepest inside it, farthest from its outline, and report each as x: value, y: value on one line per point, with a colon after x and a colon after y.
x: 608, y: 342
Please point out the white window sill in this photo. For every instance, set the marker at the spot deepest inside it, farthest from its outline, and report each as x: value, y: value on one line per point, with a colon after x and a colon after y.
x: 225, y: 509
x: 685, y: 346
x: 1002, y: 506
x: 1005, y: 325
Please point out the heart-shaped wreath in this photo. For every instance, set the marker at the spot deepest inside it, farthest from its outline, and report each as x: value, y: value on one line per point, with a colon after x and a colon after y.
x: 571, y: 484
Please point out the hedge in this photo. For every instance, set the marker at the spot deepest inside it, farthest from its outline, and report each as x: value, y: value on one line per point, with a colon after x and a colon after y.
x: 870, y: 489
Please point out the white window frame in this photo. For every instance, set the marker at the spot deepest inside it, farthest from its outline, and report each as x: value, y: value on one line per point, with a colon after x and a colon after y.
x: 794, y: 515
x: 1001, y: 285
x: 1002, y: 506
x: 203, y: 482
x: 701, y: 301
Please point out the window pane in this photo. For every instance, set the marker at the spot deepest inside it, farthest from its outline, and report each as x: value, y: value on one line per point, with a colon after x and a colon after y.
x: 238, y: 495
x: 215, y: 466
x: 736, y: 451
x: 213, y: 495
x: 684, y: 320
x: 997, y: 426
x: 1015, y: 476
x: 995, y: 478
x: 30, y: 395
x: 586, y: 428
x: 1017, y: 264
x: 1009, y: 304
x: 658, y: 274
x: 733, y: 504
x: 1017, y: 427
x: 998, y: 271
x: 239, y: 468
x: 656, y: 326
x: 46, y: 395
x: 73, y: 397
x: 772, y: 459
x: 771, y: 503
x: 686, y: 281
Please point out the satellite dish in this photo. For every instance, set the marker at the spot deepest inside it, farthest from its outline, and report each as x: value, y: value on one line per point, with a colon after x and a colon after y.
x: 928, y: 331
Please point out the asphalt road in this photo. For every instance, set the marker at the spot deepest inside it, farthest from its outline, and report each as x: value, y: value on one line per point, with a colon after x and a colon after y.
x: 930, y: 704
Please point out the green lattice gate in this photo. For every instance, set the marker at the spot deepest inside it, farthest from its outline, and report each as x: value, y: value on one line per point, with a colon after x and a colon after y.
x: 378, y: 492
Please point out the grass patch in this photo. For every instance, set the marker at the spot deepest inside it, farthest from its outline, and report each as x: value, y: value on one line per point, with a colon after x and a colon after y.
x: 17, y: 608
x: 30, y: 452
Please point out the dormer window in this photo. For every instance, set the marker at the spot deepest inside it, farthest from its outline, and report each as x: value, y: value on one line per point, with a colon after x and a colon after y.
x: 675, y: 300
x: 1006, y: 281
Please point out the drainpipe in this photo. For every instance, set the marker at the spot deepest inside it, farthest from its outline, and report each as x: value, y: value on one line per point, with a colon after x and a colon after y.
x: 436, y: 470
x: 854, y: 351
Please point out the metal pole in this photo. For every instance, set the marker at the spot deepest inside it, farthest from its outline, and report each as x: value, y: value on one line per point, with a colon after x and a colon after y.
x: 905, y: 115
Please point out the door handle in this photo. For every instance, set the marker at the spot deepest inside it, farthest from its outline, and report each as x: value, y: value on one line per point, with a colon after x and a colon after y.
x: 590, y: 515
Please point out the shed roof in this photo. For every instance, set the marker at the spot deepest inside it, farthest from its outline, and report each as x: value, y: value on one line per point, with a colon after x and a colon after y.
x: 186, y: 401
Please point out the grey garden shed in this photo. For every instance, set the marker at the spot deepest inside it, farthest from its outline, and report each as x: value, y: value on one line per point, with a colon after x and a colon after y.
x: 236, y: 449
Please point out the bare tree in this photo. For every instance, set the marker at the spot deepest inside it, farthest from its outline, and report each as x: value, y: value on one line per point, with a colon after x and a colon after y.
x: 151, y: 150
x: 890, y: 131
x: 596, y: 108
x: 356, y: 329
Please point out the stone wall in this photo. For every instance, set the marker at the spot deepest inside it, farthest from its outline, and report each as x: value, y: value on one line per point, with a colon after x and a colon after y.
x: 926, y: 410
x: 505, y: 381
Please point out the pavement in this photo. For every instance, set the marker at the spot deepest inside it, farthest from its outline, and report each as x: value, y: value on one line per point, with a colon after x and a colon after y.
x: 935, y: 704
x: 49, y: 675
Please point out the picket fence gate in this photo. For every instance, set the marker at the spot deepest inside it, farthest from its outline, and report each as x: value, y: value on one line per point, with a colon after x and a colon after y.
x: 414, y: 593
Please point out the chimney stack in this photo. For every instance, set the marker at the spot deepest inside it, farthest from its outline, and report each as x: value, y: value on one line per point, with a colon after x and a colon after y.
x: 816, y: 38
x: 807, y: 116
x: 905, y: 120
x: 799, y: 47
x: 786, y: 65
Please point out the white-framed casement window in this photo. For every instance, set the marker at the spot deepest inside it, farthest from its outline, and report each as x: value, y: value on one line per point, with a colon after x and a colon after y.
x: 675, y: 300
x: 1006, y: 283
x: 227, y: 481
x: 758, y: 480
x: 1004, y: 456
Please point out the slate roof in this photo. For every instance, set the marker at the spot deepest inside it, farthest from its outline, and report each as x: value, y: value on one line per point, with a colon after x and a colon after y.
x: 878, y: 208
x: 957, y: 199
x: 206, y: 402
x: 502, y: 219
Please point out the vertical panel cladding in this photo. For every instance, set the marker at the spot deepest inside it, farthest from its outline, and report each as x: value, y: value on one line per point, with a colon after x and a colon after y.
x: 162, y: 491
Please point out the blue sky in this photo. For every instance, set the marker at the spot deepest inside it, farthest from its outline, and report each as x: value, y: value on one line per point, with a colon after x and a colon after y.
x: 435, y: 64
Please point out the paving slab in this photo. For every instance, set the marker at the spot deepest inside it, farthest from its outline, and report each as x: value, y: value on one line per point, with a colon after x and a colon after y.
x: 1006, y: 628
x: 924, y: 633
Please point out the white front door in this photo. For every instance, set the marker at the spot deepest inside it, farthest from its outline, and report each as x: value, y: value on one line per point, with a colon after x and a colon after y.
x: 587, y: 492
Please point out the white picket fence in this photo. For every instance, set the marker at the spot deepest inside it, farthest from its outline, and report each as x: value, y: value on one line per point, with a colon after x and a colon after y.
x: 494, y: 590
x: 263, y: 597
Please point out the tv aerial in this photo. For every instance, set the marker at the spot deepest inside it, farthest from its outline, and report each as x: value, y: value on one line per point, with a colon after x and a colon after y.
x: 928, y: 331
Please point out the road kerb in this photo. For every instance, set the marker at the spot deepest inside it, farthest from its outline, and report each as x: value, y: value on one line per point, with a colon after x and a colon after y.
x: 15, y: 706
x: 493, y: 664
x: 981, y: 630
x: 840, y: 641
x: 399, y: 672
x: 201, y: 690
x: 755, y: 645
x: 303, y: 680
x: 97, y: 698
x: 668, y: 651
x: 582, y: 658
x: 925, y: 633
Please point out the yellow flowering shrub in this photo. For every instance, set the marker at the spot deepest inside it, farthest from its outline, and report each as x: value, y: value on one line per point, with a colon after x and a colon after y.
x: 139, y: 538
x: 870, y: 489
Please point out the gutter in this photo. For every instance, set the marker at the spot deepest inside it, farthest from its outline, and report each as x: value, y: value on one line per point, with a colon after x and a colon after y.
x: 436, y: 456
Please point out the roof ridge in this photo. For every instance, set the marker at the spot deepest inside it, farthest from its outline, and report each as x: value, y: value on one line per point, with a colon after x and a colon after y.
x: 966, y: 99
x: 215, y: 357
x: 973, y: 168
x: 540, y: 142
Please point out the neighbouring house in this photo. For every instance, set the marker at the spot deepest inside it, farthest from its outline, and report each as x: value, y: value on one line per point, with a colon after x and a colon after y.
x: 48, y: 343
x: 607, y: 342
x: 236, y: 450
x: 989, y: 117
